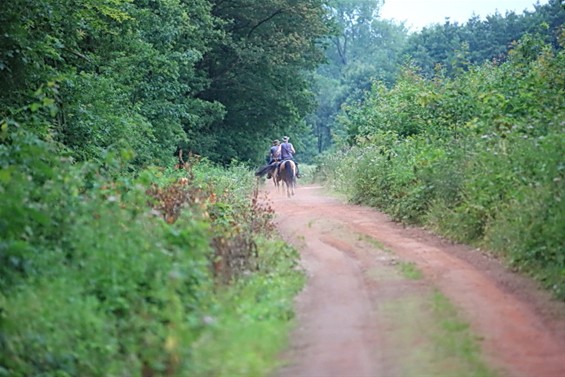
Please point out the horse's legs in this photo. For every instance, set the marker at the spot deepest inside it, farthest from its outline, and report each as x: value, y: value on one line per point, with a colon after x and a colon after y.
x: 286, y: 177
x: 276, y: 179
x: 281, y: 176
x: 293, y: 179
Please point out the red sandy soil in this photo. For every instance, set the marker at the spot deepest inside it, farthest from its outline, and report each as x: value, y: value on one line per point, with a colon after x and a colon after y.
x: 342, y: 329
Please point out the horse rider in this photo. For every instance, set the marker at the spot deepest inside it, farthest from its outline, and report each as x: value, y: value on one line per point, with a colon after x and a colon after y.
x: 274, y: 154
x: 288, y: 152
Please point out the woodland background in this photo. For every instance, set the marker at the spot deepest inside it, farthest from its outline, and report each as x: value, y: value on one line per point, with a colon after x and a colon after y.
x: 114, y: 263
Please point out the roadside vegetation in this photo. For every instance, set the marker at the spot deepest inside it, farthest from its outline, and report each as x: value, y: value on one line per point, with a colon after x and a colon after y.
x: 113, y: 263
x: 171, y: 272
x: 477, y: 157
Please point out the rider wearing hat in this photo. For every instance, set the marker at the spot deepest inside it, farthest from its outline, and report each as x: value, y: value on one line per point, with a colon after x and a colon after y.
x: 275, y: 152
x: 288, y: 152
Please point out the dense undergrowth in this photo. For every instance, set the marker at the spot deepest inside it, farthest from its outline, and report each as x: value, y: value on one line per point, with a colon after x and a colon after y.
x: 162, y: 273
x: 479, y: 158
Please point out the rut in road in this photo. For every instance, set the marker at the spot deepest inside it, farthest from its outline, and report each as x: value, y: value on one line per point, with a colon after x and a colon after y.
x: 365, y: 311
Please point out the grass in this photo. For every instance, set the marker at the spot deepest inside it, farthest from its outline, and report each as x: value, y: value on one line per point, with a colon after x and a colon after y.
x: 374, y: 242
x: 429, y: 338
x: 248, y: 326
x: 410, y: 271
x: 455, y: 340
x: 425, y: 335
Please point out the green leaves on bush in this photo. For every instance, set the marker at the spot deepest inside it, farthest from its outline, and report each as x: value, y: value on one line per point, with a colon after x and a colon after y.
x: 95, y: 281
x: 478, y: 157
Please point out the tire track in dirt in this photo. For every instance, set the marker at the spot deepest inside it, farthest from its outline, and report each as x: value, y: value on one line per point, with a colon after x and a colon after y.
x: 332, y: 276
x: 340, y: 331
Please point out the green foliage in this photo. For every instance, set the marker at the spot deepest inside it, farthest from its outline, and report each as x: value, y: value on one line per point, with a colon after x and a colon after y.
x: 97, y: 279
x: 95, y: 120
x: 123, y: 83
x: 89, y: 276
x: 361, y: 49
x: 455, y: 47
x: 258, y: 72
x: 250, y: 328
x: 64, y: 331
x: 530, y: 229
x: 364, y: 48
x: 147, y: 75
x: 478, y: 157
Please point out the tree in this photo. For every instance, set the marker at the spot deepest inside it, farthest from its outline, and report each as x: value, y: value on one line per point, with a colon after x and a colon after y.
x: 125, y: 71
x: 362, y: 49
x: 258, y: 73
x: 484, y: 40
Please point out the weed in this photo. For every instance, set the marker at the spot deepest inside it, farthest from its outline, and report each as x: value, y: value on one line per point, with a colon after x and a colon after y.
x: 410, y: 271
x: 374, y: 242
x: 455, y: 340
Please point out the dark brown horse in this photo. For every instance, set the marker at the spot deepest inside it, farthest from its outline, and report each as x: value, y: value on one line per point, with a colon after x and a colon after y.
x: 284, y: 172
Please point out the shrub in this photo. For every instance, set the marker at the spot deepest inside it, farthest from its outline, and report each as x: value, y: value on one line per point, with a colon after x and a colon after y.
x: 478, y: 157
x: 109, y: 275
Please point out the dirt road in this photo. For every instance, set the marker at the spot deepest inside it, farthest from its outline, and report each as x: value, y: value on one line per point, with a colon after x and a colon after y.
x: 386, y: 300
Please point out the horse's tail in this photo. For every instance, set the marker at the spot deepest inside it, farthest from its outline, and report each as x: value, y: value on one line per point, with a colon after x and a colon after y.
x: 266, y: 170
x: 287, y: 171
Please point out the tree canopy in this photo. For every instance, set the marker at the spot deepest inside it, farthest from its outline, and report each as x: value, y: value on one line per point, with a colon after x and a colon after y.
x: 222, y: 77
x: 145, y: 75
x: 258, y: 73
x: 366, y: 48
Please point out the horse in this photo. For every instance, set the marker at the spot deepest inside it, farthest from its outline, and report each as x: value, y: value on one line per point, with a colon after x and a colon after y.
x: 286, y: 173
x: 275, y: 176
x: 271, y: 171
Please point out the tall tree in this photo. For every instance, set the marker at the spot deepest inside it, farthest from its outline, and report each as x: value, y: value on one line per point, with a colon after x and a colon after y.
x: 124, y: 70
x: 258, y: 73
x: 485, y: 40
x: 362, y: 49
x: 159, y: 67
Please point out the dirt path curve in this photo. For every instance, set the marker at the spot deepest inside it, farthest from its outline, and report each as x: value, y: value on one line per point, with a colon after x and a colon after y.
x: 359, y: 316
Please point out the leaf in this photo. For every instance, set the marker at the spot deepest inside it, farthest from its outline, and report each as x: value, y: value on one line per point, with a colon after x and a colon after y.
x: 6, y: 175
x: 48, y: 101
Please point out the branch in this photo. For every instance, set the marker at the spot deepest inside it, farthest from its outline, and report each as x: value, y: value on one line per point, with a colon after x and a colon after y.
x: 341, y: 51
x: 80, y: 55
x: 263, y: 21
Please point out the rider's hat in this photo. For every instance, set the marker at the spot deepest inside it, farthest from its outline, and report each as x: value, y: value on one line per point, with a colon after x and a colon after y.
x: 285, y: 139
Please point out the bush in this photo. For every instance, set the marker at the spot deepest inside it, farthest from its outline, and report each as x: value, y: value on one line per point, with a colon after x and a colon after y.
x: 479, y: 157
x: 111, y: 275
